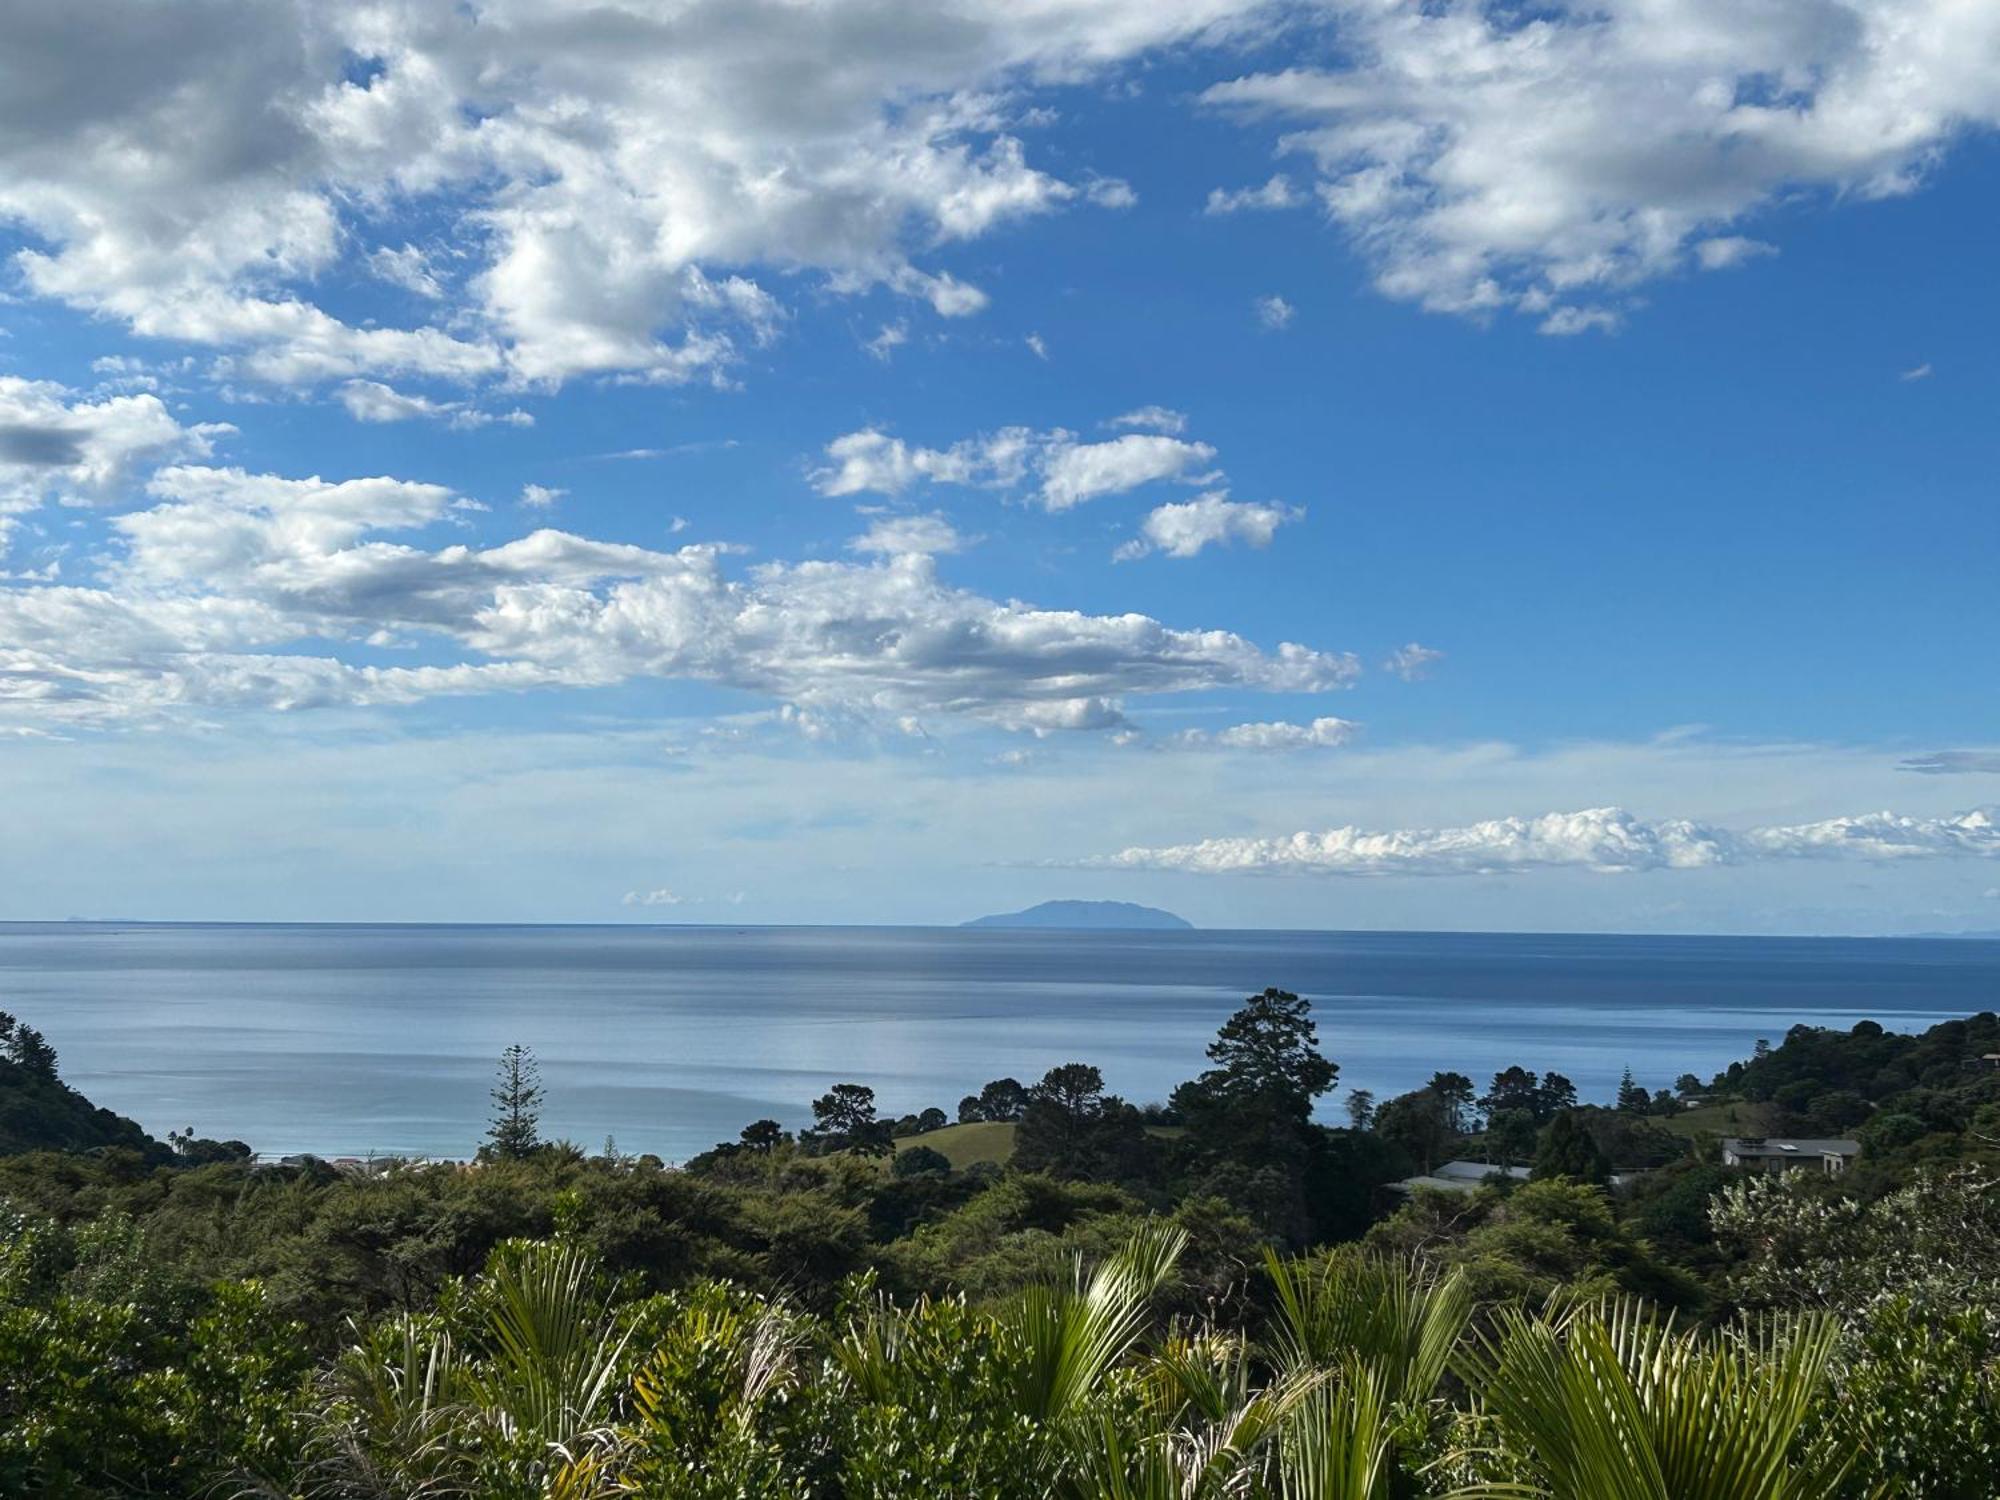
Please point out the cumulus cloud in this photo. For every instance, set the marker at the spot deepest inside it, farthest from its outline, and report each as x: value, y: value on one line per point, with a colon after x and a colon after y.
x: 235, y: 589
x: 1606, y: 839
x: 1075, y: 472
x: 1954, y: 763
x: 58, y: 446
x: 1411, y: 662
x: 1485, y: 157
x: 1321, y: 734
x: 901, y: 536
x: 1274, y: 313
x: 1152, y: 419
x: 543, y: 496
x: 619, y: 176
x: 1183, y: 529
x: 1057, y: 469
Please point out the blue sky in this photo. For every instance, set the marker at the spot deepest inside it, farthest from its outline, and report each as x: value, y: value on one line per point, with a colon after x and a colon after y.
x: 876, y: 462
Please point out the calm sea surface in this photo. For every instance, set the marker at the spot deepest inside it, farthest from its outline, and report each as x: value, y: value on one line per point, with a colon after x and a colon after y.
x: 347, y: 1040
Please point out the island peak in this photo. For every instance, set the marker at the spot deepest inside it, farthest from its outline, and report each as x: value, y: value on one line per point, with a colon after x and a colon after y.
x: 1087, y: 914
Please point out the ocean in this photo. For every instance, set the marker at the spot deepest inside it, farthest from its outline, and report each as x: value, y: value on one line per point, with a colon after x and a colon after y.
x: 351, y: 1040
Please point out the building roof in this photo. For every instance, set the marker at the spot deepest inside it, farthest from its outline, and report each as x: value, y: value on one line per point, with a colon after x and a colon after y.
x: 1460, y: 1176
x: 1478, y: 1171
x: 1755, y: 1145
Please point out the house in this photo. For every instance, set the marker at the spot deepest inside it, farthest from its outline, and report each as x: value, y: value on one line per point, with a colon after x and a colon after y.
x: 1769, y: 1154
x: 1460, y: 1177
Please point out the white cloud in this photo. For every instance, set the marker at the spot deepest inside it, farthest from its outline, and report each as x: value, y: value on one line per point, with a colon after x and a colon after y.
x: 223, y: 587
x: 1275, y: 313
x: 1605, y: 839
x: 58, y: 446
x: 1567, y: 322
x: 1721, y: 252
x: 542, y: 496
x: 1063, y: 471
x: 1321, y: 734
x: 1153, y: 418
x: 1411, y: 661
x: 1037, y: 346
x: 1111, y: 192
x: 372, y: 401
x: 885, y: 343
x: 660, y: 897
x: 1954, y: 763
x: 899, y: 536
x: 1918, y: 372
x: 1276, y: 193
x: 1073, y: 473
x: 619, y: 176
x: 1485, y: 157
x: 1183, y: 529
x: 408, y: 267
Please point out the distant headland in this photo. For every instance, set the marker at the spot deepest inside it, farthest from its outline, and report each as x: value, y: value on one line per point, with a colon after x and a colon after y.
x: 1087, y: 914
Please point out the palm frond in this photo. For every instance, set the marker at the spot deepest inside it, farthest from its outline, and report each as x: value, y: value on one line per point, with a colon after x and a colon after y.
x: 1402, y: 1321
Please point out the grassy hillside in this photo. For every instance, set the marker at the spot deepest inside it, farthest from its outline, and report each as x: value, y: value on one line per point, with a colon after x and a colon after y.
x: 1732, y: 1117
x: 963, y: 1145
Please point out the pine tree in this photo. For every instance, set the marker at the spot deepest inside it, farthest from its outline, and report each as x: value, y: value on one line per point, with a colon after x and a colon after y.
x: 1632, y: 1099
x: 517, y: 1098
x: 29, y: 1050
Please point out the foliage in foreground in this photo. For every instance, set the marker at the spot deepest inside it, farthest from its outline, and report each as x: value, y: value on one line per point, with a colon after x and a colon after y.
x: 543, y: 1378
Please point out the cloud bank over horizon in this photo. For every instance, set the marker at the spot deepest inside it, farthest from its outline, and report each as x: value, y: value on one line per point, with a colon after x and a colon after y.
x: 1606, y: 840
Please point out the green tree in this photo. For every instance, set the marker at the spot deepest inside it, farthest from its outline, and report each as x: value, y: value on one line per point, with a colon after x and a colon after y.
x: 1058, y: 1130
x: 517, y: 1101
x: 1361, y: 1108
x: 1418, y: 1124
x: 1003, y: 1099
x: 1269, y: 1051
x: 29, y: 1050
x: 844, y: 1120
x: 921, y: 1161
x: 762, y: 1135
x: 1556, y: 1095
x: 1632, y: 1098
x: 1513, y: 1088
x: 1511, y: 1135
x: 1568, y: 1149
x: 1454, y: 1091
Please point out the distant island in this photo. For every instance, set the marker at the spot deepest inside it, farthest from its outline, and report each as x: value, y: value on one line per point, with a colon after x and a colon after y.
x: 1087, y: 914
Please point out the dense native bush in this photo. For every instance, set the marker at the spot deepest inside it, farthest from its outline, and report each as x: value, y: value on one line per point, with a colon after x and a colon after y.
x: 840, y: 1312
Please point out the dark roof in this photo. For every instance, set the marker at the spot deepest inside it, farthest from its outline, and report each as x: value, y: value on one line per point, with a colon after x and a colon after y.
x: 1788, y: 1146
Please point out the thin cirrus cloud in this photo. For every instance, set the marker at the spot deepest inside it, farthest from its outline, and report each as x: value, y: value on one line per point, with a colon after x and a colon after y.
x: 1549, y: 160
x: 1607, y: 840
x: 1953, y: 763
x: 372, y: 401
x: 1411, y: 662
x: 235, y: 590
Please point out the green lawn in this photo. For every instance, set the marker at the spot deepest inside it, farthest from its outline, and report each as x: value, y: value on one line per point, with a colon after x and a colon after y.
x: 1737, y: 1117
x: 993, y: 1141
x: 962, y: 1145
